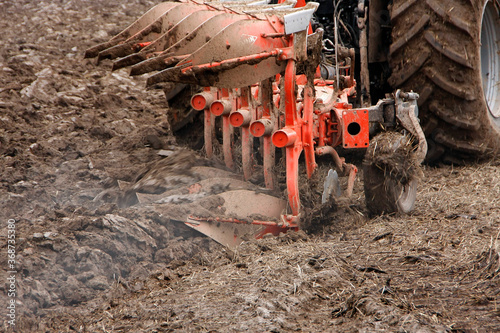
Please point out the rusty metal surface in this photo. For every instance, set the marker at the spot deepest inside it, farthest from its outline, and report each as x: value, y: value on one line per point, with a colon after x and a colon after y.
x: 166, y: 22
x: 209, y: 172
x: 239, y: 39
x: 244, y: 204
x: 187, y: 45
x: 245, y: 210
x: 152, y: 31
x: 227, y: 234
x: 181, y: 30
x: 145, y: 20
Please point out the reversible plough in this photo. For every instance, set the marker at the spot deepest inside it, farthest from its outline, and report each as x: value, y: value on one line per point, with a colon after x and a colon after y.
x: 262, y: 71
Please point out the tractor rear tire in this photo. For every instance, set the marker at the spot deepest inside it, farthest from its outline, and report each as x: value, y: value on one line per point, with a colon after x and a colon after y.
x: 448, y: 52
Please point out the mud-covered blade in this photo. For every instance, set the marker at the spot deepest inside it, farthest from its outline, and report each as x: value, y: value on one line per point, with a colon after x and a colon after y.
x: 244, y: 204
x: 225, y: 233
x: 249, y: 215
x: 331, y: 186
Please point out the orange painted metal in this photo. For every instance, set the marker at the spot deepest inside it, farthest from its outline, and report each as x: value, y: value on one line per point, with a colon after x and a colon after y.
x: 209, y: 132
x: 223, y: 107
x: 264, y: 127
x: 285, y: 137
x: 355, y: 128
x: 294, y: 149
x: 243, y: 117
x: 202, y: 100
x: 307, y: 130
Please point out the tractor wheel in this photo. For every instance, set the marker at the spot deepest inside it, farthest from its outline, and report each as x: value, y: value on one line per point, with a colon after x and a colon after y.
x: 390, y: 174
x: 448, y: 52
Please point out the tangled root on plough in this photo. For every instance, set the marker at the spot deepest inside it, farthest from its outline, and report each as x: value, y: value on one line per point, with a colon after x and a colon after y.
x: 394, y: 154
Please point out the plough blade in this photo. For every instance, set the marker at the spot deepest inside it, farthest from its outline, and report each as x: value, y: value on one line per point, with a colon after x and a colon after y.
x: 151, y: 32
x: 190, y: 43
x: 157, y: 20
x: 231, y: 233
x: 249, y: 213
x: 158, y: 63
x: 238, y: 56
x: 168, y: 39
x: 200, y: 189
x: 181, y: 30
x: 145, y: 20
x: 244, y: 204
x: 226, y: 39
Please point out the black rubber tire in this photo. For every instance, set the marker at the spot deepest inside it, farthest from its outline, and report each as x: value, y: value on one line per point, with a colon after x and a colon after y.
x: 388, y: 190
x: 436, y: 51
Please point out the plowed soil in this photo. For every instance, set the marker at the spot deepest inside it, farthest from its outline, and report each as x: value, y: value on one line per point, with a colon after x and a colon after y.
x: 77, y: 142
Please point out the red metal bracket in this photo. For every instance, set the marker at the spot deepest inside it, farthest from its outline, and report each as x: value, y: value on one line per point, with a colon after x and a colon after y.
x: 355, y: 128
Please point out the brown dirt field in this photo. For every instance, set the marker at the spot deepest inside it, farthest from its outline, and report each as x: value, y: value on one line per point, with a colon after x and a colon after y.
x: 89, y: 262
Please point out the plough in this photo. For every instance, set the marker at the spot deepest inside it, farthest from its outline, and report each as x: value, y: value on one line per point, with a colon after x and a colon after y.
x: 263, y: 73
